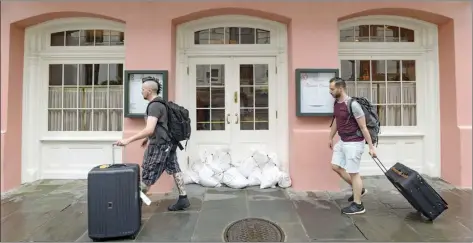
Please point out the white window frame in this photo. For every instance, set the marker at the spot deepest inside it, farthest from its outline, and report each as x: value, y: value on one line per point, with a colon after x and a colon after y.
x: 38, y: 55
x: 425, y: 51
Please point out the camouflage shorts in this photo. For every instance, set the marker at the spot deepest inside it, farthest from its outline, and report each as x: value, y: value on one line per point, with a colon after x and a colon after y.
x: 157, y: 159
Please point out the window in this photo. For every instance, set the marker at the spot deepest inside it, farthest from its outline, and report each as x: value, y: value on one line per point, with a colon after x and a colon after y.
x: 231, y: 35
x: 254, y: 97
x: 389, y: 84
x: 85, y: 97
x: 376, y: 33
x: 88, y: 38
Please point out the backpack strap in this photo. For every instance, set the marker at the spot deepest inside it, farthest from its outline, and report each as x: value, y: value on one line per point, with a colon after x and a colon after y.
x: 333, y: 117
x: 160, y: 124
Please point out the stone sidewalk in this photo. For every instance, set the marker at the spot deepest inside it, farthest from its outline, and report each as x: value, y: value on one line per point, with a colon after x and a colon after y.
x: 55, y: 210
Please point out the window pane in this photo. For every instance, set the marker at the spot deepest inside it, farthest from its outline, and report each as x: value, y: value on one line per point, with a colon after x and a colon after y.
x: 408, y: 70
x: 203, y: 119
x: 378, y: 93
x: 217, y: 73
x: 363, y: 89
x: 85, y: 83
x: 409, y: 115
x: 392, y: 34
x: 247, y: 119
x: 70, y: 86
x: 203, y: 75
x: 246, y: 97
x: 87, y: 37
x: 115, y: 86
x: 347, y: 70
x: 381, y: 110
x: 247, y: 36
x: 57, y: 39
x: 261, y: 96
x: 55, y: 97
x: 218, y: 119
x: 246, y: 74
x: 363, y: 70
x: 100, y: 86
x: 201, y: 37
x: 72, y: 37
x: 85, y: 120
x: 100, y: 120
x: 102, y: 37
x: 376, y: 33
x: 54, y: 120
x: 378, y: 70
x: 362, y: 33
x: 232, y: 35
x: 409, y: 93
x: 203, y: 97
x: 217, y: 36
x: 394, y: 93
x: 263, y: 37
x: 393, y: 70
x: 393, y: 115
x: 261, y: 74
x: 407, y: 35
x: 115, y: 120
x: 69, y: 120
x: 117, y: 38
x: 218, y: 97
x: 347, y: 34
x: 55, y: 74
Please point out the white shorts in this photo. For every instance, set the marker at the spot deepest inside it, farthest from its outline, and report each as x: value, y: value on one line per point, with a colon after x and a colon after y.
x: 347, y: 155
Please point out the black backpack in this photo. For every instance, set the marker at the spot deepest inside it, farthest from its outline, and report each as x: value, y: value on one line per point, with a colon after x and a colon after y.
x: 179, y: 123
x: 371, y: 116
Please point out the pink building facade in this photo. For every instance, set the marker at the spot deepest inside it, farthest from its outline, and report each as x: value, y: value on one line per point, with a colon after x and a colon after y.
x: 63, y: 65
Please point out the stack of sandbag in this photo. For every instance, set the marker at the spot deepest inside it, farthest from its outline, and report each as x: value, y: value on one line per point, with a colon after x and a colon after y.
x: 216, y: 168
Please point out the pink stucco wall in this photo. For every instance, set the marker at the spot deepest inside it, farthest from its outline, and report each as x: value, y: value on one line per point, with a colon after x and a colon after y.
x: 150, y: 32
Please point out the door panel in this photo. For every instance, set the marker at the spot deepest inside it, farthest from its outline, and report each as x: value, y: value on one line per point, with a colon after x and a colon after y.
x: 209, y: 111
x: 255, y: 109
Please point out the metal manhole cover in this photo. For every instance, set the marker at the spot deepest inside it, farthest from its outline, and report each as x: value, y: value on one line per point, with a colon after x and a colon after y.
x: 253, y: 230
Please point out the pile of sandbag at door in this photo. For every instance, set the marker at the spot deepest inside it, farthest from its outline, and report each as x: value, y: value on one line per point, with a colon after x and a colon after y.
x: 216, y: 169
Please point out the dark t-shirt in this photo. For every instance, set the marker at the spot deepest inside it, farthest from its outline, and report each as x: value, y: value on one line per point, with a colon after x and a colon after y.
x: 159, y: 111
x: 347, y: 126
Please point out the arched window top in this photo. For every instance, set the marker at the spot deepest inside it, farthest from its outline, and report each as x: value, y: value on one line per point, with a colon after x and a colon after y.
x: 88, y: 37
x: 376, y: 33
x: 232, y: 35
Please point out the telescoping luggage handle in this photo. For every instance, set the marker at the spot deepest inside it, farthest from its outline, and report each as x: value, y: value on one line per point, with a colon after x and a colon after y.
x: 380, y: 165
x: 113, y: 158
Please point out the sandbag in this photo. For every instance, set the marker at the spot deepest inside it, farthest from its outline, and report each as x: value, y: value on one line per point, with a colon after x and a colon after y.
x: 223, y: 158
x: 273, y: 158
x: 285, y: 180
x: 196, y: 166
x: 270, y: 176
x: 255, y: 177
x: 260, y: 157
x: 190, y: 177
x: 206, y: 177
x: 233, y: 179
x: 247, y: 166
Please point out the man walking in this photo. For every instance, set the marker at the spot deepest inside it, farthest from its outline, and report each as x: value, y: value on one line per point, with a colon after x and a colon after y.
x: 347, y: 152
x: 160, y: 154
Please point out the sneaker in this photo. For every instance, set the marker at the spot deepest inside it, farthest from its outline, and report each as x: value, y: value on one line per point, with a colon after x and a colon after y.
x: 363, y: 192
x: 181, y: 204
x: 354, y: 208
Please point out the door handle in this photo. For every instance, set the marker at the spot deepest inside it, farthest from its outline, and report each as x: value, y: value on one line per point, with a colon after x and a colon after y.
x: 228, y: 116
x: 236, y: 118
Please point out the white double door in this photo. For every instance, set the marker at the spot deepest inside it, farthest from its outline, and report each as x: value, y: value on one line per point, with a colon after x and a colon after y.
x: 232, y: 104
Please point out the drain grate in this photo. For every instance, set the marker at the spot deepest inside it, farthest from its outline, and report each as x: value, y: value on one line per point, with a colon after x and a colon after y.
x: 253, y: 230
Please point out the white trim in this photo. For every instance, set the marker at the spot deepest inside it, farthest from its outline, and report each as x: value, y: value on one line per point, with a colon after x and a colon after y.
x: 425, y: 49
x: 38, y: 54
x: 185, y: 48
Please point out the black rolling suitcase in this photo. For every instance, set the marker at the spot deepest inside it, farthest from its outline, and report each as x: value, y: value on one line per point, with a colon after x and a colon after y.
x: 415, y: 189
x: 114, y: 203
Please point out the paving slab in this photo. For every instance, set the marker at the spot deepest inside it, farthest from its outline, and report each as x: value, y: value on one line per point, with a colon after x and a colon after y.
x: 56, y: 210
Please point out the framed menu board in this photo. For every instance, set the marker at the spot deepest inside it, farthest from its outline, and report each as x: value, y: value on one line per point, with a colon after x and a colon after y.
x: 135, y: 105
x: 313, y: 96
